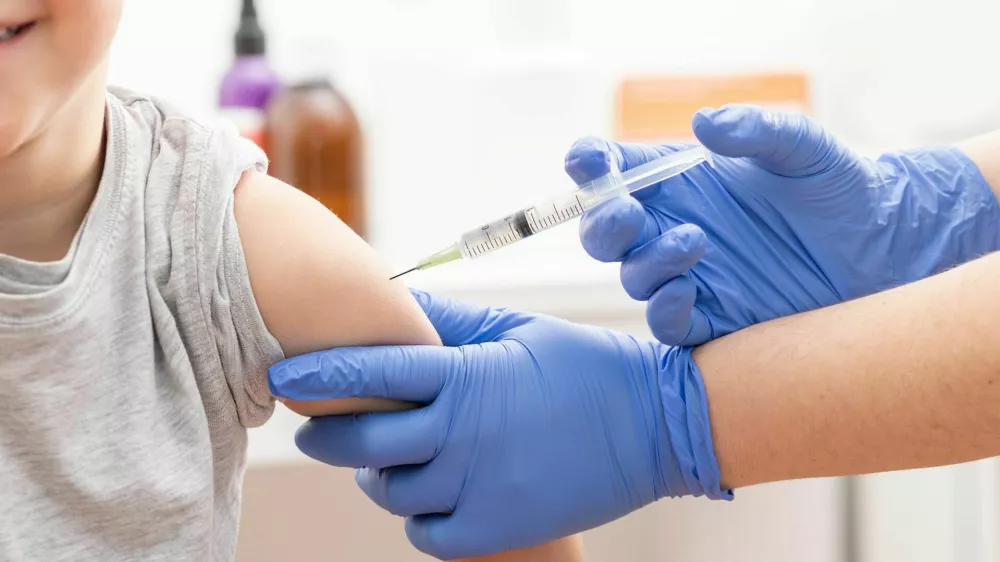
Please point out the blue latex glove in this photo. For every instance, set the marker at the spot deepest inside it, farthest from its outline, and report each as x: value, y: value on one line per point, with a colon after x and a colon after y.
x: 785, y: 220
x: 536, y: 428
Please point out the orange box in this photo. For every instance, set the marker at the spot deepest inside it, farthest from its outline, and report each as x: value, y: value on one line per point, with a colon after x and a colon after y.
x: 659, y: 109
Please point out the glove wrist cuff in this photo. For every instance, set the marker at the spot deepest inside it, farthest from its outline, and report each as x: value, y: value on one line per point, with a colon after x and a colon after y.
x: 687, y: 460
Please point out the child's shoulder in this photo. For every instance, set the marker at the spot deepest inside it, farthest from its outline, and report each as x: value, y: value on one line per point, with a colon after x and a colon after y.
x: 182, y: 162
x: 179, y: 174
x: 174, y: 135
x: 158, y: 112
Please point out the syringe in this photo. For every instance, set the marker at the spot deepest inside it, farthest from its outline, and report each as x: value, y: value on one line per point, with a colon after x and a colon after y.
x: 531, y: 220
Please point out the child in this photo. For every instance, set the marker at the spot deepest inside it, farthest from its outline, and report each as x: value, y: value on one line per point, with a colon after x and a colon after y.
x: 150, y: 272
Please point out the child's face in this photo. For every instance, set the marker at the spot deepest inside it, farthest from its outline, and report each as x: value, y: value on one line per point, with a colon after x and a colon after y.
x: 52, y: 55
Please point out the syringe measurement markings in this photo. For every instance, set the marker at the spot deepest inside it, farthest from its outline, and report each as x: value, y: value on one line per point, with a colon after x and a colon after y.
x: 529, y: 218
x: 513, y: 233
x: 556, y: 217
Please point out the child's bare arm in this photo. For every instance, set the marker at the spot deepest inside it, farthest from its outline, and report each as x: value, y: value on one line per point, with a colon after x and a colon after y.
x: 318, y: 286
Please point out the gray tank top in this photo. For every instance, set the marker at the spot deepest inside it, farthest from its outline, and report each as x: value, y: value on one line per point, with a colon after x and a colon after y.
x: 130, y: 370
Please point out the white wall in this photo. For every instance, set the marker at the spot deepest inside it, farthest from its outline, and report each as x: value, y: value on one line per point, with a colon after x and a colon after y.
x: 473, y: 102
x: 497, y: 92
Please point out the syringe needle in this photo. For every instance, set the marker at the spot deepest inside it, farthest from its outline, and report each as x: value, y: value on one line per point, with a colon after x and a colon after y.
x: 403, y: 273
x: 451, y: 253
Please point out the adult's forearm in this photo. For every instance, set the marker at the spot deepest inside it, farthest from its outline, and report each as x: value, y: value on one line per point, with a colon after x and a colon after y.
x: 908, y: 378
x: 984, y: 150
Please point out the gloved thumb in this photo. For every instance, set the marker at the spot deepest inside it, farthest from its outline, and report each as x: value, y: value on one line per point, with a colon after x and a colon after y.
x: 407, y: 373
x: 459, y: 323
x: 590, y: 157
x: 787, y: 144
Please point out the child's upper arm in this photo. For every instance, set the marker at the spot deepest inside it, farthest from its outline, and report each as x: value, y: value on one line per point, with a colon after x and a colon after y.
x: 316, y: 283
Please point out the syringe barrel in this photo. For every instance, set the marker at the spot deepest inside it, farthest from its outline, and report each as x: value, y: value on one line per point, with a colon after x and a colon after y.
x: 609, y: 186
x: 494, y: 235
x: 542, y: 216
x: 547, y: 214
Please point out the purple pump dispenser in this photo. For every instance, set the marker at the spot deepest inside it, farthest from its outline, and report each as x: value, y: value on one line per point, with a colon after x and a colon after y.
x: 249, y: 84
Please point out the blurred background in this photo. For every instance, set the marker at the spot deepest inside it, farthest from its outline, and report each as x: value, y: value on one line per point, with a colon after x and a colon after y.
x: 440, y: 114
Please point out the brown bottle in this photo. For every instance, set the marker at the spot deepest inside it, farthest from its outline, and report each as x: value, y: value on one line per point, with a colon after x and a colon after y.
x: 314, y: 143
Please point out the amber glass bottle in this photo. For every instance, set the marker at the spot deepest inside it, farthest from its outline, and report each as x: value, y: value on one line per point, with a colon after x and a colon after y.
x: 314, y: 142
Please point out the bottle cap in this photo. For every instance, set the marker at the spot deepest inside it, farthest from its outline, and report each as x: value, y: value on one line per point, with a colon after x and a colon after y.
x: 250, y: 39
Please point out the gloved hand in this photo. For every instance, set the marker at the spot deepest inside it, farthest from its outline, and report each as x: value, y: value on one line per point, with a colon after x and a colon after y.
x: 785, y: 220
x: 535, y: 428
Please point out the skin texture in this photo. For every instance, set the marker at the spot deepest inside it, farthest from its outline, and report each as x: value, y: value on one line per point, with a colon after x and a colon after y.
x: 319, y: 284
x: 905, y: 379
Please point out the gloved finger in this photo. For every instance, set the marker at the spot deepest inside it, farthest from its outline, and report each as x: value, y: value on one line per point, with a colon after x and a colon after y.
x: 409, y: 373
x: 612, y: 230
x: 787, y: 144
x: 372, y: 440
x: 590, y: 157
x: 669, y: 255
x: 459, y: 323
x: 441, y: 537
x: 672, y: 316
x: 408, y: 490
